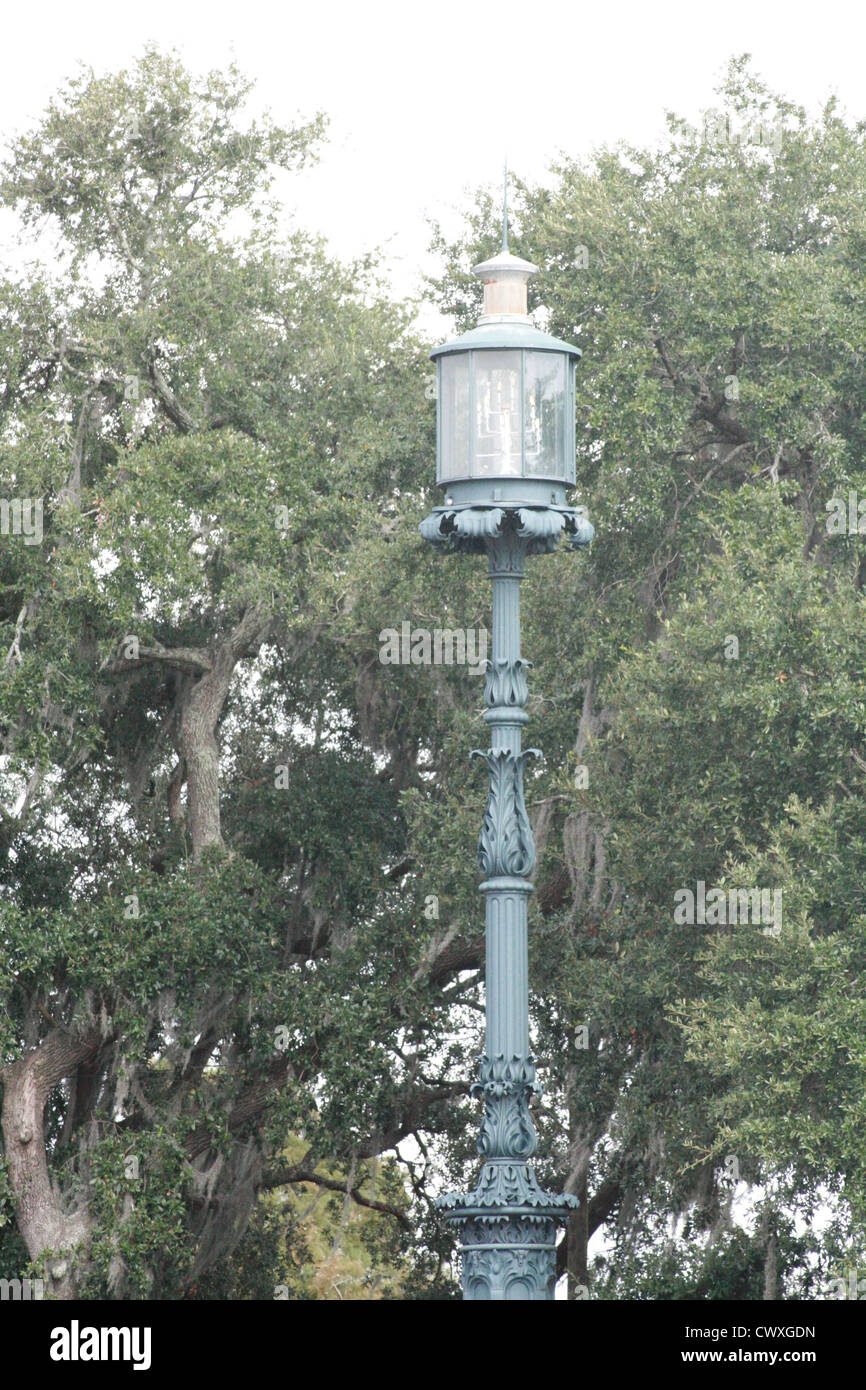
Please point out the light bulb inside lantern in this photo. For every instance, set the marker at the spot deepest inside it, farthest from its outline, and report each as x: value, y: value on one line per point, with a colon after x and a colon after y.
x: 498, y: 415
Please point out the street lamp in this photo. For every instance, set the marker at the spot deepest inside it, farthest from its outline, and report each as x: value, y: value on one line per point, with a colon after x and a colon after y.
x: 505, y: 460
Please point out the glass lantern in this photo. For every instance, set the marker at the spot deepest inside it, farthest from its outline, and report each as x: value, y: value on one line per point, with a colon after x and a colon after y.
x: 505, y: 399
x: 506, y: 413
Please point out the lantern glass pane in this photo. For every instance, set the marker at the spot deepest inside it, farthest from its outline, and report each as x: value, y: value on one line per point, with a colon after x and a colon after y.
x: 498, y: 423
x: 546, y: 406
x: 454, y: 416
x: 570, y: 423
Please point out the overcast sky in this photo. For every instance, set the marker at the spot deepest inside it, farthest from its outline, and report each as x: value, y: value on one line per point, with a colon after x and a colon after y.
x: 425, y: 98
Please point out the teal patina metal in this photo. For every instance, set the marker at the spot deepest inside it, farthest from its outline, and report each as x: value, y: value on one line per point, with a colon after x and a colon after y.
x: 505, y: 458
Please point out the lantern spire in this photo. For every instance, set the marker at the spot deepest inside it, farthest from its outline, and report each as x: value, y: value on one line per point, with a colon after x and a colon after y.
x: 505, y: 209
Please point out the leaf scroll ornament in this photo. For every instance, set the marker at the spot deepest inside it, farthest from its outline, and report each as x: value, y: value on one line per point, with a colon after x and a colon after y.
x: 506, y: 846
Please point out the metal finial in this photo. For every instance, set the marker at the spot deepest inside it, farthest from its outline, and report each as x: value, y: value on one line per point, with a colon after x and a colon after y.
x: 505, y: 209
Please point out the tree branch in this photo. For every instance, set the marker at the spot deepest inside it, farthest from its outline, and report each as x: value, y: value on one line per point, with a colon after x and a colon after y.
x: 283, y: 1177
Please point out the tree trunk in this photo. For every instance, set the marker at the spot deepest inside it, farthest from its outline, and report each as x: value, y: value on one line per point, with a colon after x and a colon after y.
x: 40, y: 1213
x: 202, y: 703
x: 771, y: 1268
x: 577, y: 1236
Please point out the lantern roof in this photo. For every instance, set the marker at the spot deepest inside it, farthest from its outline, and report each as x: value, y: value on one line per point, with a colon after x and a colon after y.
x: 514, y: 333
x: 503, y: 264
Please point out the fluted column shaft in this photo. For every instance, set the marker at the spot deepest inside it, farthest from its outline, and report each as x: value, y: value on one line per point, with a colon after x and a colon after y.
x: 507, y: 1033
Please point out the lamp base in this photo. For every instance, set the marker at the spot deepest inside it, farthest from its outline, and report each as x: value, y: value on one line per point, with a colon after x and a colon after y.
x: 507, y: 1228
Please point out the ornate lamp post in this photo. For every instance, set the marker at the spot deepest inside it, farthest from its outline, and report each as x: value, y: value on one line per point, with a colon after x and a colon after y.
x: 505, y: 459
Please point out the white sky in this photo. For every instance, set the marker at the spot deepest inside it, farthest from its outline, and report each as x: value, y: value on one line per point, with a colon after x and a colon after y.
x: 425, y: 98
